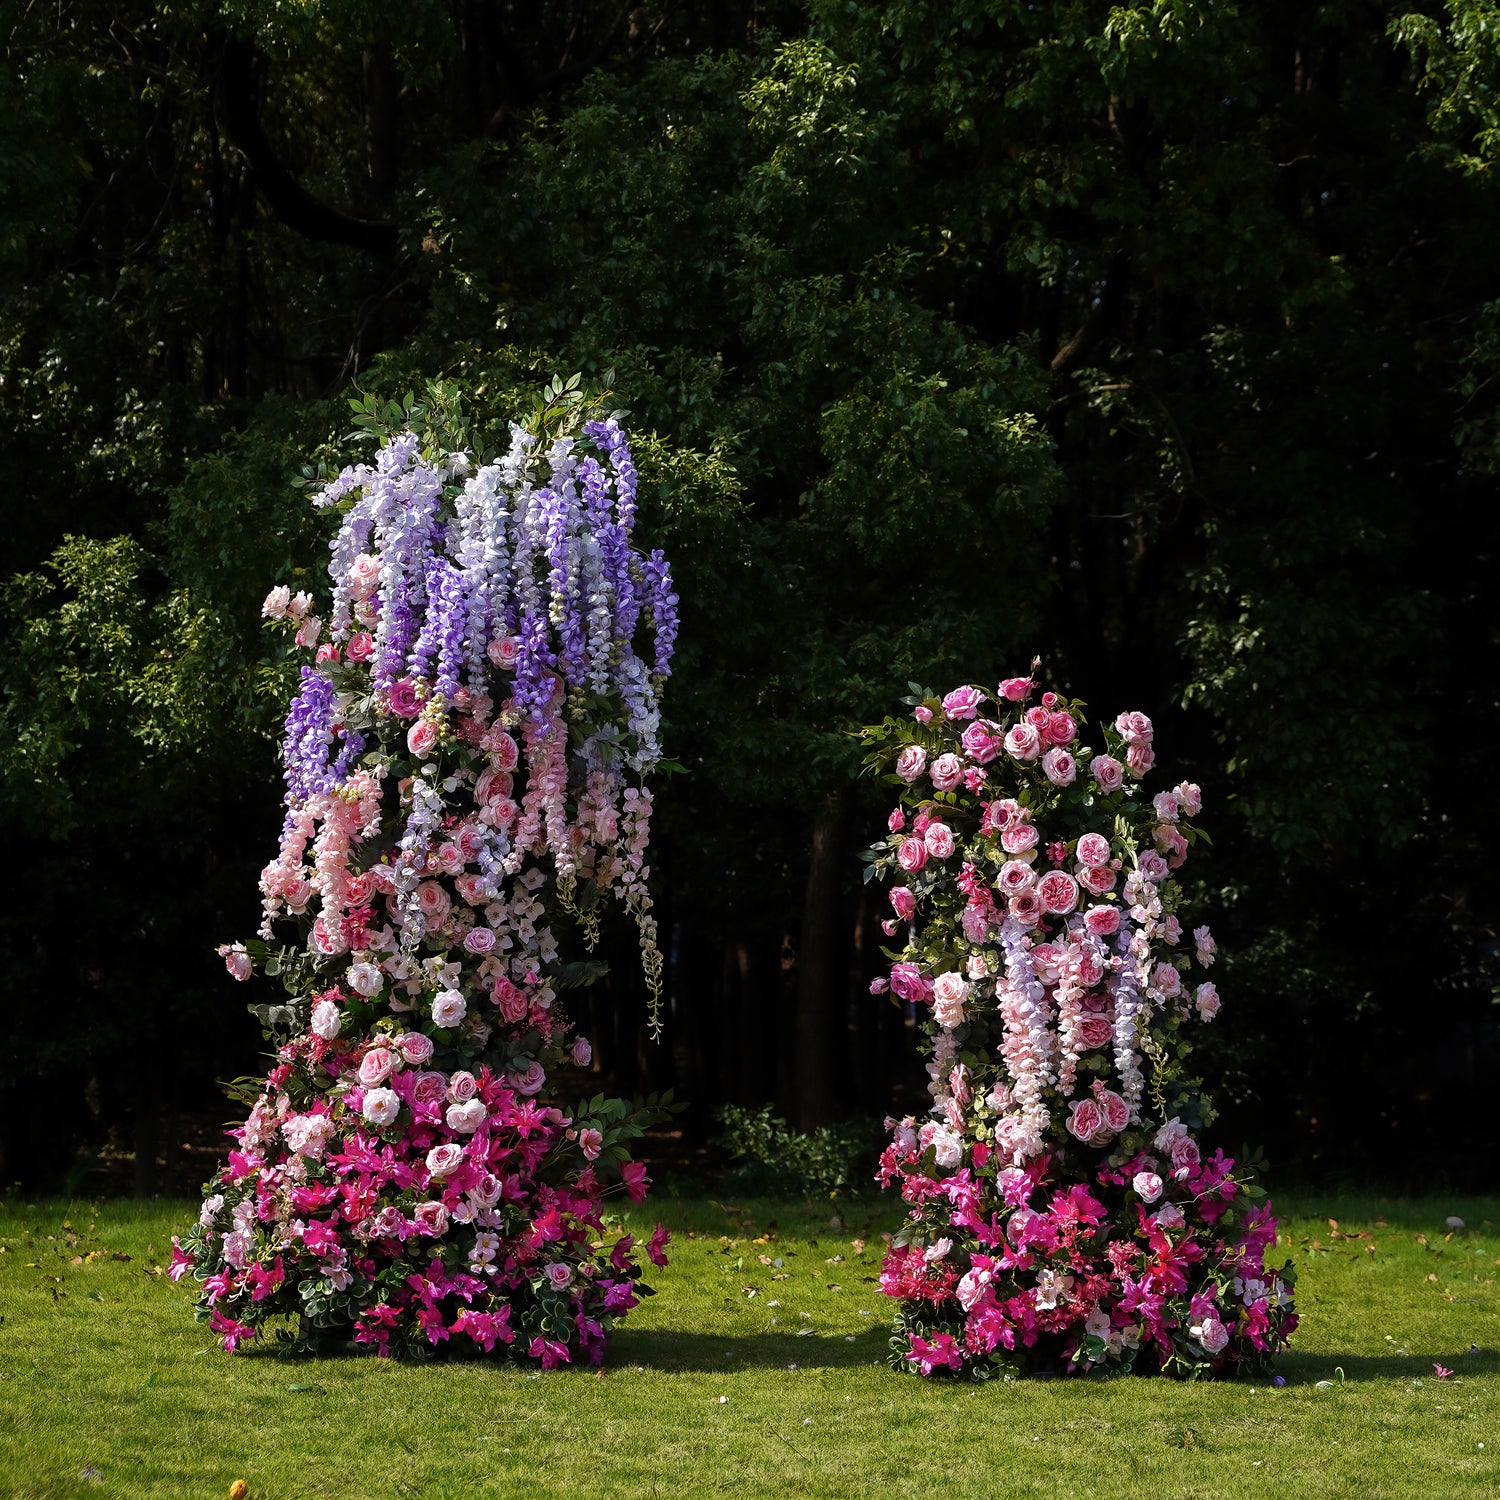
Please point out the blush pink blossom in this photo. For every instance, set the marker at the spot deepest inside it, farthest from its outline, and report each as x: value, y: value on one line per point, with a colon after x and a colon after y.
x: 1134, y: 728
x: 980, y: 742
x: 1108, y: 773
x: 903, y: 902
x: 939, y: 840
x: 911, y: 855
x: 1022, y: 742
x: 911, y: 763
x: 1016, y: 689
x: 1102, y: 921
x: 1059, y: 767
x: 1059, y: 892
x: 421, y: 737
x: 962, y: 702
x: 946, y: 772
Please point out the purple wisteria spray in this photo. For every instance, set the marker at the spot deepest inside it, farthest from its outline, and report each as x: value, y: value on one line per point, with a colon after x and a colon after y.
x: 467, y: 762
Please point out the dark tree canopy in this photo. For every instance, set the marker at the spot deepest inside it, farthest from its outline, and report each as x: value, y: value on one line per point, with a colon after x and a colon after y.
x: 1161, y: 340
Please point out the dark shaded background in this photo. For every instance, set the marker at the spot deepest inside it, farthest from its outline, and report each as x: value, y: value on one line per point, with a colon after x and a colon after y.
x: 1159, y: 340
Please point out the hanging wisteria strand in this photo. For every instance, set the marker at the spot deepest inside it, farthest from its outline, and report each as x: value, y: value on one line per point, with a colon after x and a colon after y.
x: 1061, y: 1213
x: 465, y: 763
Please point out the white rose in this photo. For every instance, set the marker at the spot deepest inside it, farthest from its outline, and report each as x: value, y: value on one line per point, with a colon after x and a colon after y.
x: 449, y: 1008
x: 465, y: 1119
x: 381, y: 1106
x: 327, y: 1019
x: 364, y: 979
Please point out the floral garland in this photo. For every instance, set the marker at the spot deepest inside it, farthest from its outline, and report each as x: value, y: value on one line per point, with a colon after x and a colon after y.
x: 1061, y: 1214
x: 464, y: 763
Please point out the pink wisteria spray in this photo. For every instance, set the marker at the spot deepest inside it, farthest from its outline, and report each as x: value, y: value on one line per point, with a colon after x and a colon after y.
x: 1063, y: 1214
x: 466, y: 762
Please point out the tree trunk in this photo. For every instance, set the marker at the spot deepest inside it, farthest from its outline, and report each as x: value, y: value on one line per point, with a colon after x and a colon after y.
x: 820, y: 967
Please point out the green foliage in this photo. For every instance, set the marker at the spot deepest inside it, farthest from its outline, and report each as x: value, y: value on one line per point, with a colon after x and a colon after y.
x: 769, y: 1156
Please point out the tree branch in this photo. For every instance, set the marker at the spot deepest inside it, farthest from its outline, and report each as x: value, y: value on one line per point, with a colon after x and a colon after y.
x: 292, y: 204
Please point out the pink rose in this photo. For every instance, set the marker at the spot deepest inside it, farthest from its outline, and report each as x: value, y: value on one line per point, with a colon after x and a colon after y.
x: 980, y: 743
x: 433, y: 902
x: 1061, y: 729
x: 1134, y: 728
x: 403, y: 699
x: 1016, y: 689
x: 385, y: 1225
x: 327, y: 939
x: 911, y: 763
x: 380, y: 1107
x: 236, y: 960
x: 1060, y: 767
x: 962, y: 702
x: 1213, y: 1335
x: 1022, y: 742
x: 327, y: 652
x: 911, y: 855
x: 449, y: 1008
x: 1206, y: 997
x: 364, y: 575
x: 529, y: 1081
x: 1203, y: 940
x: 1164, y: 977
x: 1189, y: 798
x: 1164, y: 804
x: 309, y: 631
x: 479, y: 940
x: 1102, y: 921
x: 1096, y: 879
x: 431, y: 1218
x: 445, y: 1159
x: 583, y: 1054
x: 505, y: 754
x: 922, y: 714
x: 429, y: 1088
x: 908, y: 983
x: 947, y: 772
x: 1015, y: 877
x: 559, y: 1277
x: 503, y: 651
x: 415, y: 1047
x: 1018, y: 838
x: 1148, y: 1186
x: 1139, y: 759
x: 462, y: 1086
x: 511, y: 1000
x: 1108, y: 773
x: 897, y: 820
x: 1116, y: 1111
x: 1086, y: 1120
x: 939, y: 840
x: 376, y: 1066
x: 1152, y: 866
x: 1046, y: 962
x: 1093, y: 849
x: 1026, y: 909
x: 1095, y: 1031
x: 1059, y: 892
x: 361, y: 646
x: 949, y: 991
x: 276, y: 603
x: 421, y: 737
x: 1185, y: 1152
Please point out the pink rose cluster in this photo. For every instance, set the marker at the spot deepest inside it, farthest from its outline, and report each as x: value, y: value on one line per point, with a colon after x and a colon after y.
x: 386, y: 1201
x: 1062, y: 1214
x: 455, y: 814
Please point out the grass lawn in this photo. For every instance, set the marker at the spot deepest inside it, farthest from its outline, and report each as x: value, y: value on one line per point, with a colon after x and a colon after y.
x: 747, y: 1379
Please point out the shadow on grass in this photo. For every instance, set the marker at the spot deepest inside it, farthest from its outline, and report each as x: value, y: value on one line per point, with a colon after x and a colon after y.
x: 1300, y: 1368
x: 672, y: 1350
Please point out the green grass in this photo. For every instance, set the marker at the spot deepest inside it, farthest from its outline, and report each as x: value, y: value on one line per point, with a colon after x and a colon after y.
x: 107, y: 1387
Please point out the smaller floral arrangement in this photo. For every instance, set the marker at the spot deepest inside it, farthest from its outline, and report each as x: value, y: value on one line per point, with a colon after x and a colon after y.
x: 1062, y: 1213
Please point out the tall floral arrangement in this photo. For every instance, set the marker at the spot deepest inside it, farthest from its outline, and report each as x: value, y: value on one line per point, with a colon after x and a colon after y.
x: 1063, y: 1212
x: 466, y: 761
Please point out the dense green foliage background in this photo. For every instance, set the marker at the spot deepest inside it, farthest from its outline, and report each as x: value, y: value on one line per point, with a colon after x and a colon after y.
x: 1160, y: 340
